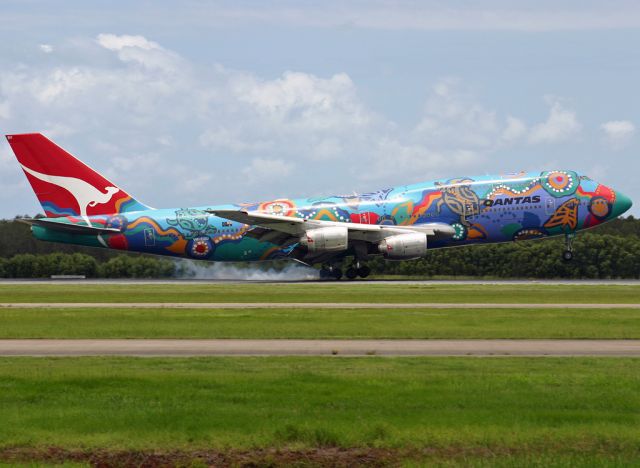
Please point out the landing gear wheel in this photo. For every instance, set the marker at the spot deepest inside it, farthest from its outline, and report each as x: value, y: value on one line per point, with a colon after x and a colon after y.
x: 330, y: 272
x: 567, y: 255
x: 364, y: 271
x: 351, y: 273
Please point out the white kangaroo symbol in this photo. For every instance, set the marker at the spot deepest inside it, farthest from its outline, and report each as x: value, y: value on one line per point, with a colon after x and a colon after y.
x: 84, y: 193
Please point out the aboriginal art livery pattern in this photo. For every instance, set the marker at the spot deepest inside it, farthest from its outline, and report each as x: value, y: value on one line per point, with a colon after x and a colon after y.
x: 487, y: 209
x: 83, y: 207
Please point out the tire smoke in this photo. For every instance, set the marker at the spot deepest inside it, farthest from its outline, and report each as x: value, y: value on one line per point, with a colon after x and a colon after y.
x: 265, y: 271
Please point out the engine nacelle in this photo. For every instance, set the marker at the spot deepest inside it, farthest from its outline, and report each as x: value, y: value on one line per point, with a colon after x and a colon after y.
x: 404, y: 246
x: 328, y: 239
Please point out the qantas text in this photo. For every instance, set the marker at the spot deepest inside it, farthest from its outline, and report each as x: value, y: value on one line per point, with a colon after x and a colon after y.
x: 512, y: 201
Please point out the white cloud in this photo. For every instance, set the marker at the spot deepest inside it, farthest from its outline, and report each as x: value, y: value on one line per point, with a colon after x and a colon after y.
x: 263, y: 170
x: 138, y: 49
x: 196, y: 183
x: 57, y: 130
x: 304, y: 100
x: 5, y: 110
x: 115, y: 42
x: 46, y: 48
x: 222, y: 138
x: 435, y: 16
x: 409, y: 163
x: 298, y: 114
x: 174, y: 133
x: 61, y: 83
x: 15, y: 188
x: 561, y: 125
x: 618, y: 132
x: 515, y: 129
x: 453, y: 117
x: 429, y: 15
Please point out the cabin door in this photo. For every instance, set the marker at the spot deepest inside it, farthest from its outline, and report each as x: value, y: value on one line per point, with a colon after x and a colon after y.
x: 550, y: 206
x: 470, y: 209
x: 149, y: 238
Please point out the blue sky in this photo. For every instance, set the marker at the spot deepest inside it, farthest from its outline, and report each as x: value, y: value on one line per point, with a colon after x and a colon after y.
x: 215, y: 102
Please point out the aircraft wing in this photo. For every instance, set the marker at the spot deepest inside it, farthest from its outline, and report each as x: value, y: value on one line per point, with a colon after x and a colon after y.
x: 286, y: 224
x: 293, y: 226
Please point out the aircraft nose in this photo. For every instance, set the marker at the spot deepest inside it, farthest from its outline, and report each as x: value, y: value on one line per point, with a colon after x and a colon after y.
x: 621, y: 205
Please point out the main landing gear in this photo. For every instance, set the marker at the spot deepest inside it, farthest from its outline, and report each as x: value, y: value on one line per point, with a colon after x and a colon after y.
x: 335, y: 272
x: 567, y: 255
x: 356, y: 270
x: 328, y: 272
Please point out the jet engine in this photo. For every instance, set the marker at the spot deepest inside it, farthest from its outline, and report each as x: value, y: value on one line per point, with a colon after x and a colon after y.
x: 404, y: 246
x: 328, y: 239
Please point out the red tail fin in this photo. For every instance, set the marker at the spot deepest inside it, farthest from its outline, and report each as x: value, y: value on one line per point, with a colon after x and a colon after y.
x: 64, y: 185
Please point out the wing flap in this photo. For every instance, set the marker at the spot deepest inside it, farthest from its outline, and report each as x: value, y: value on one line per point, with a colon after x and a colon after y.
x: 365, y: 232
x: 286, y: 224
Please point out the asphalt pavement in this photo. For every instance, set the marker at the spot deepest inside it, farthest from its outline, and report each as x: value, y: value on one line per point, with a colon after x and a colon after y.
x: 310, y: 305
x: 242, y: 347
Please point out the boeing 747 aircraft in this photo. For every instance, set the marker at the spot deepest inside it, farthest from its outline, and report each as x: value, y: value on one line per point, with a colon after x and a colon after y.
x: 399, y: 223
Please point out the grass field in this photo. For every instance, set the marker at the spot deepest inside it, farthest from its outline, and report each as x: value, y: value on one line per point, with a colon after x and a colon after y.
x: 315, y: 292
x: 521, y: 407
x: 320, y: 323
x: 285, y: 410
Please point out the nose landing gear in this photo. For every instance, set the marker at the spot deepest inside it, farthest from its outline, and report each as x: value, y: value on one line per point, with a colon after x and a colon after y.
x: 567, y: 255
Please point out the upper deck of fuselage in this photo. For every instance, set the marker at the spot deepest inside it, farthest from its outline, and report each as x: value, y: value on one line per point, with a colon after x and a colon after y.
x: 388, y: 196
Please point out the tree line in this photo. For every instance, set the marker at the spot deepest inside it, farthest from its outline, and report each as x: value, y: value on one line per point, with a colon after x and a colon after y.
x: 120, y: 266
x: 23, y: 256
x: 608, y: 251
x: 596, y: 256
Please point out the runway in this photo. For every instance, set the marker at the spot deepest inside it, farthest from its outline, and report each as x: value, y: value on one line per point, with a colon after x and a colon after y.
x: 313, y: 282
x: 308, y: 305
x: 241, y: 347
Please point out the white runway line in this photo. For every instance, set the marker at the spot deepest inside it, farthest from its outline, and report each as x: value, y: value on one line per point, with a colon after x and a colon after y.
x: 239, y: 347
x: 305, y: 305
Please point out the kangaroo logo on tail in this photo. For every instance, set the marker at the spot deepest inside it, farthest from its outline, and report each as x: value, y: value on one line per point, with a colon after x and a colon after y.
x: 85, y: 194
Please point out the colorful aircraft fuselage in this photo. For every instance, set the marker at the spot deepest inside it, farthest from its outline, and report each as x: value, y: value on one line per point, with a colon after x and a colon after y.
x: 477, y: 210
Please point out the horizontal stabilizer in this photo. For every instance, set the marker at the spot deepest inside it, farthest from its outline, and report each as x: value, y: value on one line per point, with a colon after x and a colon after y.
x: 68, y: 228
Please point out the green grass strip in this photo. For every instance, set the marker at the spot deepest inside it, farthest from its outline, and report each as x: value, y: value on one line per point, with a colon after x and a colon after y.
x: 316, y: 292
x: 320, y: 323
x: 122, y: 403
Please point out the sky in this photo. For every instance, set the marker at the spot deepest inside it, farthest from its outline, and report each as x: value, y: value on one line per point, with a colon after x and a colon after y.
x: 201, y: 103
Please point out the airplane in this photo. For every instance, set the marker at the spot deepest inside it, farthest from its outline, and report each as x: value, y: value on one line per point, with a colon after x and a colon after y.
x: 400, y: 223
